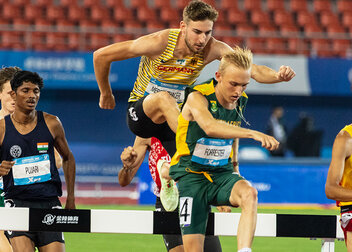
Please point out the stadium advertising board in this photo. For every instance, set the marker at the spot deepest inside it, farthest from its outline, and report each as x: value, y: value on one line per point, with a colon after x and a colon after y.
x: 74, y: 70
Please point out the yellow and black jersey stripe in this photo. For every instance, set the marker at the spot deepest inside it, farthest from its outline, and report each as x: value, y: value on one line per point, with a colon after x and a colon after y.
x: 167, y: 69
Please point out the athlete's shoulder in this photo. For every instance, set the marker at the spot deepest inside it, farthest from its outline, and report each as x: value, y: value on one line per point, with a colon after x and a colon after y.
x: 155, y: 42
x: 51, y: 120
x: 206, y: 88
x: 345, y: 132
x: 347, y: 129
x: 215, y: 49
x: 48, y: 116
x: 162, y: 35
x: 343, y: 141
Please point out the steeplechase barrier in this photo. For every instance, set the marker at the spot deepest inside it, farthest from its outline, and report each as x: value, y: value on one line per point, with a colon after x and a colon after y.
x: 325, y: 227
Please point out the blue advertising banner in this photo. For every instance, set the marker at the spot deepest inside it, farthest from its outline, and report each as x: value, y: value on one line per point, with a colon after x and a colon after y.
x: 95, y: 162
x: 330, y: 76
x: 146, y: 186
x: 298, y: 183
x: 74, y: 70
x: 70, y: 70
x: 288, y: 183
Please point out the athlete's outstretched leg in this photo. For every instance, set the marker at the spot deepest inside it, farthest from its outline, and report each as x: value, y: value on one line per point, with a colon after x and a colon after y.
x: 162, y: 107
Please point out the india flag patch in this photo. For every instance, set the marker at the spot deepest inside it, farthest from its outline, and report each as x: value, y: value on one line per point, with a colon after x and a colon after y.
x: 42, y: 147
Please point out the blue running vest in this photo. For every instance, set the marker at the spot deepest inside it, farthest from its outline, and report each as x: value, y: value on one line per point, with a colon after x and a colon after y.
x: 34, y: 175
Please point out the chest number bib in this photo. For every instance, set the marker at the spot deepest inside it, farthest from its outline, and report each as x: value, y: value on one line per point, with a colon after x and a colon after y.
x: 175, y: 90
x: 30, y: 170
x: 213, y: 152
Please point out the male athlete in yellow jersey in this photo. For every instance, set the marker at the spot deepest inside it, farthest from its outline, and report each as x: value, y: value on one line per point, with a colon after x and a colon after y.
x: 339, y: 181
x: 171, y: 59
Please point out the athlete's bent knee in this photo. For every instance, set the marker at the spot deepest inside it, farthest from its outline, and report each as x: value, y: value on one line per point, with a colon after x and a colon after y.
x: 249, y: 197
x: 165, y: 98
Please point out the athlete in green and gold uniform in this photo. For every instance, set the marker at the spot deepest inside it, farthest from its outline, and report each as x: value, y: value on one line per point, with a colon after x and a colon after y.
x: 198, y: 152
x: 202, y: 166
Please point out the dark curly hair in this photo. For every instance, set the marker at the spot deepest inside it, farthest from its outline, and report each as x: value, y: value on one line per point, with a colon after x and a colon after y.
x: 26, y: 76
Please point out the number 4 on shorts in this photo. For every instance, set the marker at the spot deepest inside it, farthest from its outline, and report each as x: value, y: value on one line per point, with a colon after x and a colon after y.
x: 185, y: 210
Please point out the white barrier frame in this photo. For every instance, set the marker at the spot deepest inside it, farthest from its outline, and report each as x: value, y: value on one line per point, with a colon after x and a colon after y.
x: 142, y: 222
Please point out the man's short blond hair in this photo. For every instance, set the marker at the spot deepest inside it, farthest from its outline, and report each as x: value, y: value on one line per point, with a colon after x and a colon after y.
x: 199, y: 11
x: 240, y: 57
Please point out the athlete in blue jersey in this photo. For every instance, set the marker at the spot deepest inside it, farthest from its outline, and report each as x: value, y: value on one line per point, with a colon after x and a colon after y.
x: 27, y: 139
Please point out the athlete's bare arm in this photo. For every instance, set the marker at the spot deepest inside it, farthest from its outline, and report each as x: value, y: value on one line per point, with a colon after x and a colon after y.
x: 132, y: 158
x: 196, y: 109
x: 58, y: 159
x: 262, y: 74
x: 68, y: 161
x: 341, y: 150
x: 151, y: 45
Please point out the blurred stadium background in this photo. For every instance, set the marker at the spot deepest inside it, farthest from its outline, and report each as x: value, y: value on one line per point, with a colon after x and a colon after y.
x: 56, y: 38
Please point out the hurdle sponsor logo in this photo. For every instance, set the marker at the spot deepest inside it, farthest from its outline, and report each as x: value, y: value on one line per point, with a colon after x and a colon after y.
x: 42, y: 147
x: 15, y: 151
x: 49, y: 219
x: 67, y: 220
x: 186, y: 204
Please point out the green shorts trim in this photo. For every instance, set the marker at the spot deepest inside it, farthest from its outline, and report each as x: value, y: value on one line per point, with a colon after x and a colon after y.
x: 197, y: 194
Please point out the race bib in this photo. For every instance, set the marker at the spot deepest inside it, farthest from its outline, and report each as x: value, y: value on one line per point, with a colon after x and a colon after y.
x: 186, y: 204
x: 175, y: 90
x: 30, y: 170
x: 213, y: 152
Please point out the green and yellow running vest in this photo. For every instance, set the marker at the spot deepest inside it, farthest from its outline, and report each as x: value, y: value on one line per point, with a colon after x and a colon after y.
x: 196, y: 151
